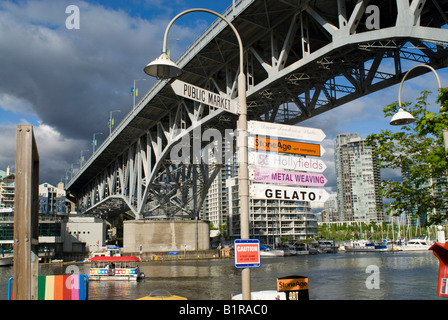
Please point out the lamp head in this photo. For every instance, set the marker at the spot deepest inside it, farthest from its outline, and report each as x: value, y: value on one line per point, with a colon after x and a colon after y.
x: 163, y: 68
x: 401, y: 118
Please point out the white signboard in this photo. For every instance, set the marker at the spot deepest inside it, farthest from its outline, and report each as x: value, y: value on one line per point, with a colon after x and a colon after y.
x: 269, y: 191
x: 198, y: 94
x: 295, y: 178
x: 285, y: 131
x: 287, y: 162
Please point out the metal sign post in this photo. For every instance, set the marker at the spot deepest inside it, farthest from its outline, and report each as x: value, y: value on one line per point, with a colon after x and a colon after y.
x: 26, y: 232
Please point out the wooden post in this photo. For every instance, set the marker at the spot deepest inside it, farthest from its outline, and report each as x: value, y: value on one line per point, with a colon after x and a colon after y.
x: 26, y: 201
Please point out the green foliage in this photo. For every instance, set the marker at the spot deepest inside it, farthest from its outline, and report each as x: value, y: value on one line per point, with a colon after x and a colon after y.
x: 418, y: 150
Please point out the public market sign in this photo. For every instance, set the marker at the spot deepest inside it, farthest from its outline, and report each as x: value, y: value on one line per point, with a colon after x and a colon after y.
x: 286, y: 146
x: 267, y: 192
x: 201, y: 95
x: 247, y: 253
x: 286, y: 161
x: 285, y: 131
x: 287, y: 177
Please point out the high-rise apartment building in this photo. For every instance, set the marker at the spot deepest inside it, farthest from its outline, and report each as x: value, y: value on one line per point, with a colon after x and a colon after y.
x: 272, y: 219
x: 357, y: 179
x: 7, y: 189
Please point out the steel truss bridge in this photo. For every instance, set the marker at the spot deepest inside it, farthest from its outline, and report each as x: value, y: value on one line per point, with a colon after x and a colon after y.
x: 302, y: 58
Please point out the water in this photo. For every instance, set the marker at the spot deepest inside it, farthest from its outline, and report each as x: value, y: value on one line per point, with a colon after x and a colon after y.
x: 340, y: 276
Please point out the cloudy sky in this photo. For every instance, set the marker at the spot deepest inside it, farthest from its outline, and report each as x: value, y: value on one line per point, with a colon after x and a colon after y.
x: 65, y: 81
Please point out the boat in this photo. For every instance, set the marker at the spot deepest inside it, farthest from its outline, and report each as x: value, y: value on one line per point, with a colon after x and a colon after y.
x: 327, y: 246
x: 266, y: 251
x: 115, y: 268
x: 416, y: 245
x: 299, y: 249
x: 262, y: 295
x: 160, y: 294
x: 368, y: 246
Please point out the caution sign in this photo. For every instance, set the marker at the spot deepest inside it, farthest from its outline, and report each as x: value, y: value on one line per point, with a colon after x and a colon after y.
x: 247, y: 253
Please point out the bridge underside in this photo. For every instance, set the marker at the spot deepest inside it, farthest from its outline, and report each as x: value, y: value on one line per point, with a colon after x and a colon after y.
x: 302, y: 58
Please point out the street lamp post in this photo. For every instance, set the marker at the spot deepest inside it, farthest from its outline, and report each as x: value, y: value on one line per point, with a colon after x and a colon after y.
x: 94, y: 142
x: 403, y: 117
x: 164, y: 68
x: 111, y: 121
x: 72, y: 170
x: 81, y: 159
x: 133, y: 105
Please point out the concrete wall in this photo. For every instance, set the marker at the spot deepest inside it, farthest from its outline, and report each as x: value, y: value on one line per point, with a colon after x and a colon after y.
x: 155, y: 236
x: 80, y: 230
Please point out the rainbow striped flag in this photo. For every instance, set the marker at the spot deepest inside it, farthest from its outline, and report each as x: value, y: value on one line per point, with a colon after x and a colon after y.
x: 59, y: 287
x: 63, y: 287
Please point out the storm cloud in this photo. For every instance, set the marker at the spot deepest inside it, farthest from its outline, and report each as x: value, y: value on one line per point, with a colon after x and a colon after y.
x: 70, y: 79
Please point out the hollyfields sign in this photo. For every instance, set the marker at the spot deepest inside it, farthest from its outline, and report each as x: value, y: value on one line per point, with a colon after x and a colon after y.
x: 288, y: 162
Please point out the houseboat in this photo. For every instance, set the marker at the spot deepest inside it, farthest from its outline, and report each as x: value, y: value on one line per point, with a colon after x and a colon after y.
x: 115, y: 268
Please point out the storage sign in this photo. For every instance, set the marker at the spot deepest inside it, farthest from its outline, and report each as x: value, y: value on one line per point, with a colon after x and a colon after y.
x: 198, y: 94
x: 277, y: 145
x: 247, y: 253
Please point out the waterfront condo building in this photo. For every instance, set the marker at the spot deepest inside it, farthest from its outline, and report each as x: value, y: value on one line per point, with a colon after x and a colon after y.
x: 7, y: 190
x: 357, y: 179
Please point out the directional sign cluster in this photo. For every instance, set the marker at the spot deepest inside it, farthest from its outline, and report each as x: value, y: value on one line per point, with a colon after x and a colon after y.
x: 280, y: 173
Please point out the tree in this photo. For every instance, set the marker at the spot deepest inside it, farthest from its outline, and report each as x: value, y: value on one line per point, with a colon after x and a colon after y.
x: 418, y: 150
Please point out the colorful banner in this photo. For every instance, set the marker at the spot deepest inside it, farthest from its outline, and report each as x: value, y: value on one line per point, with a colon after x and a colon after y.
x: 287, y: 177
x: 117, y: 271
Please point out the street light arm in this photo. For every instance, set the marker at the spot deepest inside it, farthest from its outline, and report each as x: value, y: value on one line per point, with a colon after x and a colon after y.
x: 240, y: 43
x: 420, y: 65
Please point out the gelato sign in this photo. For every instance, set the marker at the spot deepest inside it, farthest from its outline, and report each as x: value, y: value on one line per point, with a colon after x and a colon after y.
x: 264, y: 191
